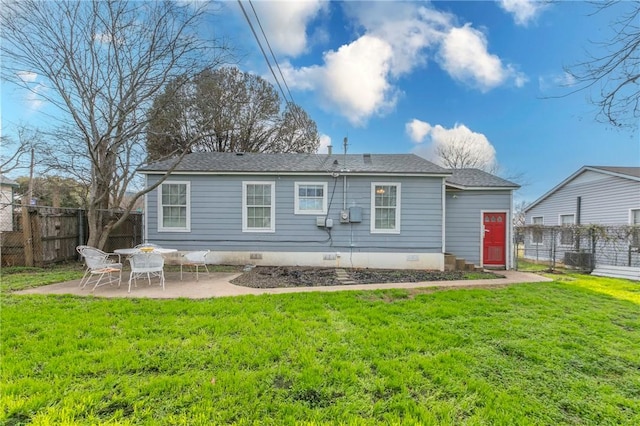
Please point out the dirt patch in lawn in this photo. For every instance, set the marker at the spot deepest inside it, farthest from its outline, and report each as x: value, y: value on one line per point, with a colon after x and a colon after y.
x: 288, y: 276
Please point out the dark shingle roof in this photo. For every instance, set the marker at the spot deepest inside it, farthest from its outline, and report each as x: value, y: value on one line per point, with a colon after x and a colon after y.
x: 629, y: 171
x: 475, y: 178
x: 224, y: 162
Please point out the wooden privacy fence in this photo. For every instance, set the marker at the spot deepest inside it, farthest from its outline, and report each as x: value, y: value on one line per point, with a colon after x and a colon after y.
x: 42, y: 236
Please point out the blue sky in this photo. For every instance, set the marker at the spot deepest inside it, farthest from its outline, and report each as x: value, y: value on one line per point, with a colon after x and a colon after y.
x: 398, y: 77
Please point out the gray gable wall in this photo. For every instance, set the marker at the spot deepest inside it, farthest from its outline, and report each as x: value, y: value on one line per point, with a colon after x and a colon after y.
x: 605, y: 200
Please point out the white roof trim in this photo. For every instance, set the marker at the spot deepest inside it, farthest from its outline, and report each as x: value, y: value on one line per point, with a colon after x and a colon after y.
x: 330, y: 173
x: 480, y: 188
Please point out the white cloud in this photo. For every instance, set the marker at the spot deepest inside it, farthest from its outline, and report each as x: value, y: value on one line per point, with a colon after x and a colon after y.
x: 417, y: 130
x: 27, y: 76
x: 353, y: 79
x: 35, y: 90
x: 409, y: 29
x: 34, y: 99
x: 325, y: 141
x: 464, y: 55
x: 474, y: 147
x: 285, y: 23
x: 555, y: 81
x: 358, y: 79
x: 523, y: 11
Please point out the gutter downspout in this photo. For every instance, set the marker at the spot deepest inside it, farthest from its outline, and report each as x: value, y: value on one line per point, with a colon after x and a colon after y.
x: 444, y: 219
x: 510, y: 233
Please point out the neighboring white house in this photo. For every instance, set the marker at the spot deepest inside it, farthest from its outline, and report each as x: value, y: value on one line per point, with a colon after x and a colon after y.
x: 600, y: 195
x: 7, y: 187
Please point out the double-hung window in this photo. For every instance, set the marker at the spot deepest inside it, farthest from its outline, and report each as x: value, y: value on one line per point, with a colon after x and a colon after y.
x: 566, y: 234
x: 310, y: 198
x: 385, y: 208
x: 258, y: 207
x: 174, y: 207
x: 536, y: 232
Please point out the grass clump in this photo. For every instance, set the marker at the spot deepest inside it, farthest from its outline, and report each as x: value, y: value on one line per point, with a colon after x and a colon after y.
x: 552, y: 353
x: 13, y: 278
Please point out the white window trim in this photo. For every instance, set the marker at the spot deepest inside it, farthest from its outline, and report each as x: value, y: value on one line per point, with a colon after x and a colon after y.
x: 162, y: 228
x: 396, y: 230
x: 533, y: 223
x: 245, y: 227
x: 631, y: 215
x: 561, y: 224
x: 297, y: 198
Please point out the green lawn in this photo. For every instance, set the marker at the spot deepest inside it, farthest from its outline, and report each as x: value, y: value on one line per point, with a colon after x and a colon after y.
x: 566, y: 352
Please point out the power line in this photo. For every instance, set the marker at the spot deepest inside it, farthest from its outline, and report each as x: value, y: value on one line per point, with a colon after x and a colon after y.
x: 266, y: 58
x: 292, y: 105
x: 284, y: 81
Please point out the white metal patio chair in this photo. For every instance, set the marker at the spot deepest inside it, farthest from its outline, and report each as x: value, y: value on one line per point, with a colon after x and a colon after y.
x: 195, y: 259
x: 146, y: 264
x: 100, y: 265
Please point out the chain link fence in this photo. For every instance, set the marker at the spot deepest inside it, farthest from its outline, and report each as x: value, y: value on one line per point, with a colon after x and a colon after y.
x: 582, y: 247
x: 40, y: 235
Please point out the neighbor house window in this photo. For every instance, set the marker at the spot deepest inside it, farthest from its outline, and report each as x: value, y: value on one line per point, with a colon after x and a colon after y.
x: 635, y: 222
x: 174, y: 208
x: 385, y: 208
x: 258, y: 207
x: 536, y: 233
x: 566, y: 235
x: 311, y: 198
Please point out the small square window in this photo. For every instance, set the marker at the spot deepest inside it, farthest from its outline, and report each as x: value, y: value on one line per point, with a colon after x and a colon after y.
x: 310, y: 198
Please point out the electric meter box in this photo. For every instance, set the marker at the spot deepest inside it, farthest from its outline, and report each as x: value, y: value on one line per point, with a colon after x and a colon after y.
x: 355, y: 214
x: 344, y: 216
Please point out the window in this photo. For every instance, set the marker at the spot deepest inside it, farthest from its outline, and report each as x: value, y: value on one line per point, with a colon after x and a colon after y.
x: 174, y: 208
x: 385, y: 208
x: 311, y: 198
x: 634, y: 218
x: 258, y: 207
x: 536, y: 233
x: 566, y: 235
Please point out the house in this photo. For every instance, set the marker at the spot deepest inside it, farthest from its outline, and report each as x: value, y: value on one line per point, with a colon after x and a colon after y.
x: 369, y: 210
x: 594, y: 195
x: 7, y: 187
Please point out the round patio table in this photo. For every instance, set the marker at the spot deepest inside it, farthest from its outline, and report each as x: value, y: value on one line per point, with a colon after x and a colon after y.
x: 130, y: 251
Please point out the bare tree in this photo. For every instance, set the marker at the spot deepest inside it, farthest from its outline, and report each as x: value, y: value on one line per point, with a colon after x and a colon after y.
x: 232, y: 111
x: 14, y: 153
x: 519, y: 216
x: 103, y: 63
x: 464, y: 152
x: 614, y: 70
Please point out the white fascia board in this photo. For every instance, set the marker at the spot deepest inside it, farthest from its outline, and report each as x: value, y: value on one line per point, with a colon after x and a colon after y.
x: 330, y: 173
x: 481, y: 188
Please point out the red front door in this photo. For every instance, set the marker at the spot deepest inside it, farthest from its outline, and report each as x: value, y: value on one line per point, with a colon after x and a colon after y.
x: 494, y: 241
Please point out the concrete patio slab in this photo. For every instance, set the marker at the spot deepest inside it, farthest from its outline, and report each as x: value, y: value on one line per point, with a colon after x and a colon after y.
x: 217, y: 285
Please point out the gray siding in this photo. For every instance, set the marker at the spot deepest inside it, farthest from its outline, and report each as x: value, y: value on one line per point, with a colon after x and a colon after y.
x: 216, y: 216
x: 606, y: 200
x: 463, y: 220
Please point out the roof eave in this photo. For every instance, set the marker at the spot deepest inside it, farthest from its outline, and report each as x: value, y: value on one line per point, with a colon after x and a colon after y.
x: 293, y: 173
x: 482, y: 188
